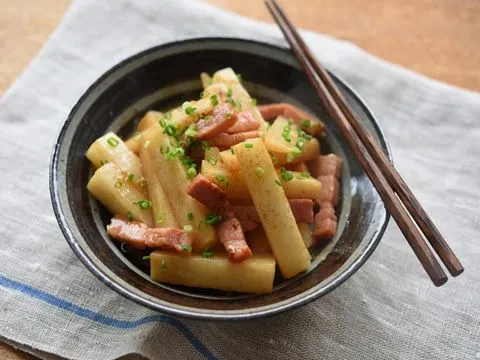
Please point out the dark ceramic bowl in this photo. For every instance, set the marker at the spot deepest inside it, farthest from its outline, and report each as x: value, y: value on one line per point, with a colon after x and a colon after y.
x: 163, y: 77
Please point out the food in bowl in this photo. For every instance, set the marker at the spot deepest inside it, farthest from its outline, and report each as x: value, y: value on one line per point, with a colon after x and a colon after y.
x: 220, y: 195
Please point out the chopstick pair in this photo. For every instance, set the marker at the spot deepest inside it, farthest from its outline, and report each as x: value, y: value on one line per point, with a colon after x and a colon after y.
x: 393, y: 190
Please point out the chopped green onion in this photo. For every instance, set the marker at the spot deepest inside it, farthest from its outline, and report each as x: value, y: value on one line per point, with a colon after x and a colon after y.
x: 207, y: 253
x: 146, y: 257
x: 179, y: 151
x: 248, y: 145
x: 124, y: 247
x: 170, y: 130
x: 296, y: 151
x: 186, y: 247
x: 188, y: 228
x: 305, y: 124
x: 131, y: 177
x: 160, y: 219
x: 285, y: 174
x: 231, y: 101
x: 205, y: 146
x: 191, y: 131
x: 190, y: 110
x: 229, y: 92
x: 305, y: 175
x: 103, y: 162
x: 239, y: 77
x: 190, y: 216
x: 232, y: 151
x: 221, y: 181
x: 129, y: 216
x: 202, y: 94
x: 212, y: 161
x: 162, y: 122
x: 254, y: 101
x: 164, y: 265
x: 290, y: 157
x: 228, y: 115
x: 214, y: 100
x: 286, y: 133
x: 113, y: 142
x: 118, y: 184
x: 168, y: 115
x: 191, y: 172
x: 259, y: 171
x: 213, y: 219
x: 278, y: 183
x: 144, y: 204
x: 274, y: 159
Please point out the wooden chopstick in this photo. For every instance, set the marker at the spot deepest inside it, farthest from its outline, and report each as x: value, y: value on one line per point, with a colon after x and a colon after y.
x: 432, y: 234
x: 392, y: 202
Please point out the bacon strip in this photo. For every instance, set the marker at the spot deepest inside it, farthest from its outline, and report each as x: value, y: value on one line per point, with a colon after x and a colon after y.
x: 302, y: 210
x: 271, y: 111
x: 228, y: 140
x: 139, y: 235
x: 229, y: 231
x: 245, y: 122
x: 300, y: 166
x: 330, y: 164
x: 325, y: 223
x: 330, y: 189
x: 222, y: 118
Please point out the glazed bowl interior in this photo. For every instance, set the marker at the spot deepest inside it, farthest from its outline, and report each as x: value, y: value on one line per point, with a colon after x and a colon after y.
x: 166, y: 76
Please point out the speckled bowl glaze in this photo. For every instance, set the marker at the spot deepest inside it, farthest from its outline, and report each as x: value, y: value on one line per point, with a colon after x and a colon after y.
x: 163, y: 77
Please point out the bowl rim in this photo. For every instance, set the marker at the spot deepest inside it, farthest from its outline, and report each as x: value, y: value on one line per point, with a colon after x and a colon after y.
x: 191, y: 313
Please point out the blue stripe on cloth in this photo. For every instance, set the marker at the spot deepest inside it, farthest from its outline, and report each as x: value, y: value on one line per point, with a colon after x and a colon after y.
x: 103, y: 319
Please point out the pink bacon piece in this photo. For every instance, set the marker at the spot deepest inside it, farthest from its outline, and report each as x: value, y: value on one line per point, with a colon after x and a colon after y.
x: 222, y: 118
x: 229, y: 231
x: 323, y: 165
x: 325, y: 223
x: 271, y: 111
x: 139, y: 235
x: 225, y: 140
x: 245, y: 122
x: 330, y: 189
x: 302, y: 210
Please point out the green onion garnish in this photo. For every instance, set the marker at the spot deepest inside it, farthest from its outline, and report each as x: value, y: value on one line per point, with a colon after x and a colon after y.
x: 190, y: 110
x: 214, y: 100
x: 285, y: 174
x: 144, y: 204
x: 186, y: 247
x: 259, y: 171
x: 188, y: 228
x: 248, y: 145
x: 190, y: 216
x: 113, y: 142
x: 146, y: 257
x: 160, y: 219
x: 103, y: 162
x: 278, y: 183
x: 130, y: 177
x: 129, y: 216
x: 207, y: 253
x: 305, y: 174
x: 212, y: 161
x: 118, y: 184
x: 305, y: 124
x: 164, y: 265
x: 213, y: 219
x: 229, y: 92
x: 191, y: 172
x: 254, y: 101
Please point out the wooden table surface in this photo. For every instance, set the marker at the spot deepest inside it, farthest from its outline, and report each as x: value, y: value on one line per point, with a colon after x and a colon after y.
x: 439, y: 38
